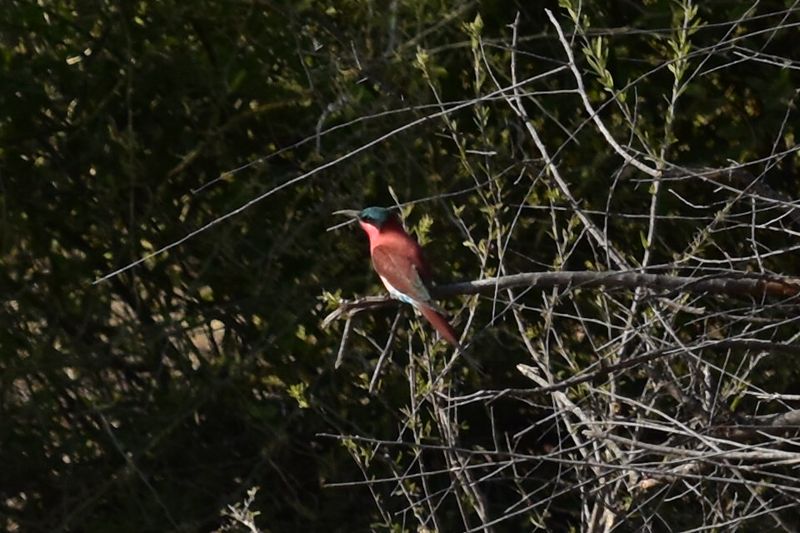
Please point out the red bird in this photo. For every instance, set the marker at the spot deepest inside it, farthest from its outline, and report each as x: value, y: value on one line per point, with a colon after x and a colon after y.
x: 398, y: 260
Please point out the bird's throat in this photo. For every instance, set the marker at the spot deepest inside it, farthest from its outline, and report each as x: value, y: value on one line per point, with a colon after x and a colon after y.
x: 372, y: 232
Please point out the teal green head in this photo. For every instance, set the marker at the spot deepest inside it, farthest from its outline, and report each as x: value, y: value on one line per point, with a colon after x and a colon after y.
x: 375, y: 216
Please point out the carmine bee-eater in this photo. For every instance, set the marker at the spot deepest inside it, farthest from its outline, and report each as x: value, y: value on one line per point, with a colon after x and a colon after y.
x: 398, y: 260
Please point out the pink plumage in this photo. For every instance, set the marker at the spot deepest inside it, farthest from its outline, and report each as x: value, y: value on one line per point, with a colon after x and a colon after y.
x: 398, y: 260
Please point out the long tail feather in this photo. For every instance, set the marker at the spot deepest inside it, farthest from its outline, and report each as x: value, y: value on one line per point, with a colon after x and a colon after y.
x: 441, y: 324
x: 444, y: 328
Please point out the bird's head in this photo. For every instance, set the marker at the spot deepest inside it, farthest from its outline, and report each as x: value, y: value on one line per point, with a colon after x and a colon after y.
x: 372, y: 219
x: 375, y: 216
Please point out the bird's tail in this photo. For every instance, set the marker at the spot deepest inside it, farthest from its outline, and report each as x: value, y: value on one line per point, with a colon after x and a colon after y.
x: 441, y: 324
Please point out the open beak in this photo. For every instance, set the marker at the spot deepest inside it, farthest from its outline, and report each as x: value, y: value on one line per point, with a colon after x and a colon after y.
x: 348, y: 213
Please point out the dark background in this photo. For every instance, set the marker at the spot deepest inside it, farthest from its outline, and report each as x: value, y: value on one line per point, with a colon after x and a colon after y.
x: 152, y: 400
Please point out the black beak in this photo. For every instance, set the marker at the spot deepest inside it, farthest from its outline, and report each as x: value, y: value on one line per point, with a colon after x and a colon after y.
x: 352, y: 213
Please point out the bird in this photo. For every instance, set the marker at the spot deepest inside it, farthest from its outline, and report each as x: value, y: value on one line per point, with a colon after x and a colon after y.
x: 398, y: 260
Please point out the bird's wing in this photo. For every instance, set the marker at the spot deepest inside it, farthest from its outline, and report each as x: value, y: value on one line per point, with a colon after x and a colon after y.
x: 406, y: 273
x: 401, y: 272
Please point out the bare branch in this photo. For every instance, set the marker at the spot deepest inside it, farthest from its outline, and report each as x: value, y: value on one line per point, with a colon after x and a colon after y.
x: 588, y: 105
x: 729, y: 283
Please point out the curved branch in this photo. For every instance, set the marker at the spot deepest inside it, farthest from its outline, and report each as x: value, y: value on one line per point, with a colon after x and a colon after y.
x: 348, y: 308
x: 588, y: 105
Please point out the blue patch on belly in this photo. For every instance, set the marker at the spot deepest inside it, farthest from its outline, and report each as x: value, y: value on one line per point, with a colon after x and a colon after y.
x: 399, y: 295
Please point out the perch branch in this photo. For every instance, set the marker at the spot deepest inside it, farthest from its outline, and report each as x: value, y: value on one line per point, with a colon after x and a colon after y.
x: 729, y: 284
x: 348, y: 308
